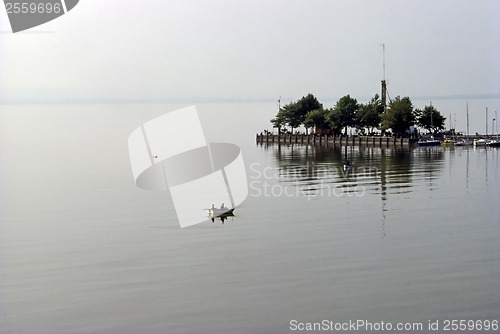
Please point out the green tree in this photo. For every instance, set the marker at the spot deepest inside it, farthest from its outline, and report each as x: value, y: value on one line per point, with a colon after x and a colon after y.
x: 279, y: 121
x: 430, y: 119
x: 399, y: 116
x: 308, y: 103
x: 304, y: 106
x: 334, y: 120
x: 294, y: 114
x: 317, y: 119
x: 345, y: 113
x: 369, y: 114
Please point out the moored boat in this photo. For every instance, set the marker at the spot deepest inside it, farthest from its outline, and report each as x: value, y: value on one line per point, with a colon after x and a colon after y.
x: 431, y: 142
x: 493, y: 143
x: 448, y: 142
x: 481, y: 142
x: 214, y: 212
x: 464, y: 142
x: 347, y: 166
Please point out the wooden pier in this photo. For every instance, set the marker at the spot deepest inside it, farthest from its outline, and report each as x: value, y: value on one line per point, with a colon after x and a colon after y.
x: 313, y: 139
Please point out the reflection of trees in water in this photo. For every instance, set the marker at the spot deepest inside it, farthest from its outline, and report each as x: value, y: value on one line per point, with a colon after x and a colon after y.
x: 380, y: 169
x: 390, y: 171
x: 429, y: 162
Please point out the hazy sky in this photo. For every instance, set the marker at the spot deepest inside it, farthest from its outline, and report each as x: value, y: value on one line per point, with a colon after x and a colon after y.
x: 255, y: 50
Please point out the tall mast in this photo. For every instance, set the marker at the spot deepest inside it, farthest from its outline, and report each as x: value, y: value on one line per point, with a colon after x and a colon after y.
x: 383, y: 61
x: 495, y: 119
x: 493, y: 125
x: 432, y: 124
x: 384, y: 84
x: 467, y: 106
x: 486, y: 120
x: 279, y: 109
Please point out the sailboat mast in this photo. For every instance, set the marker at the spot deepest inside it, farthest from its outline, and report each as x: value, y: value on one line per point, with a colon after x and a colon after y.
x: 432, y: 123
x: 384, y: 84
x: 486, y: 120
x: 467, y: 107
x: 493, y: 127
x: 496, y: 118
x: 279, y: 109
x: 455, y: 122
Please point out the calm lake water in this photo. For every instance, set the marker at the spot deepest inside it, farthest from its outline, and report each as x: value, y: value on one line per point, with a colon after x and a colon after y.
x: 408, y: 235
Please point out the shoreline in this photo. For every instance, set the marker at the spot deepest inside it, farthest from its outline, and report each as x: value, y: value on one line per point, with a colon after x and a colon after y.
x: 348, y: 140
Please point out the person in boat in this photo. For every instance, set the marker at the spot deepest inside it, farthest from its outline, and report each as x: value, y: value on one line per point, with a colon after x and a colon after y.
x: 213, y: 206
x: 222, y: 206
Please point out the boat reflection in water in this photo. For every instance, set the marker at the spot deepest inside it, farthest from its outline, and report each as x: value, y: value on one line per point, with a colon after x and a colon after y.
x: 221, y: 213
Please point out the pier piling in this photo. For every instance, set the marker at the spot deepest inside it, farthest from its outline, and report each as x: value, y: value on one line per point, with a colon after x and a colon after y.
x: 313, y: 139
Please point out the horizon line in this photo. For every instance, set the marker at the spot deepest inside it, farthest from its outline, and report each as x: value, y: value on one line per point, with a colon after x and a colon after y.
x: 139, y: 100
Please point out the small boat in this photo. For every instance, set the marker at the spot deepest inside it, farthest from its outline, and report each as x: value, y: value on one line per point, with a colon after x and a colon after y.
x: 481, y: 142
x: 448, y: 142
x: 464, y: 142
x: 214, y: 212
x: 493, y: 143
x: 431, y: 142
x: 347, y: 165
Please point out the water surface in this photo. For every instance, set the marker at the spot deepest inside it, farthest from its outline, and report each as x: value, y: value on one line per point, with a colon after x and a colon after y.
x: 407, y: 235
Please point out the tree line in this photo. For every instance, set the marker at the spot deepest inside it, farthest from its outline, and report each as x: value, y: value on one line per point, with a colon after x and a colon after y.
x: 399, y: 116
